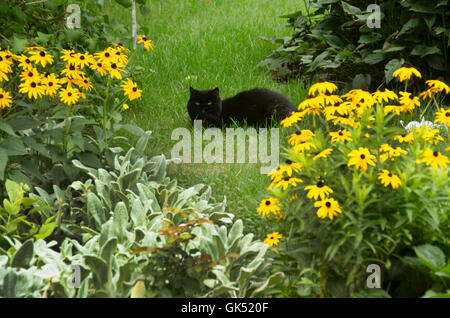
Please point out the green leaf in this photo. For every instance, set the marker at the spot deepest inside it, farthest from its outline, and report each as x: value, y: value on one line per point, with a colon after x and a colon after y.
x: 373, y: 58
x: 3, y: 162
x: 95, y: 209
x: 424, y: 50
x: 18, y: 44
x: 431, y: 256
x: 124, y: 3
x: 390, y: 67
x: 23, y: 255
x: 349, y: 9
x: 120, y: 220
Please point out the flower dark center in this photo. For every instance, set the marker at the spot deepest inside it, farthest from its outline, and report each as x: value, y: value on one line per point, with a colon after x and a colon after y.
x: 390, y: 175
x: 113, y: 66
x: 27, y: 61
x: 33, y: 84
x: 1, y: 59
x: 267, y: 202
x: 85, y: 81
x: 30, y: 74
x: 435, y: 153
x: 50, y: 84
x: 144, y: 38
x: 328, y: 204
x: 72, y: 68
x: 362, y: 156
x: 99, y: 64
x: 134, y: 89
x: 298, y: 133
x: 320, y: 184
x: 447, y: 114
x: 107, y: 54
x: 289, y: 162
x: 82, y: 57
x: 404, y: 135
x: 69, y: 94
x: 1, y: 96
x: 286, y: 178
x: 340, y: 133
x: 42, y: 53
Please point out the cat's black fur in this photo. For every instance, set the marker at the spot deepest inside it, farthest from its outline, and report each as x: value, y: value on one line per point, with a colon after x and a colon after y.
x: 255, y: 107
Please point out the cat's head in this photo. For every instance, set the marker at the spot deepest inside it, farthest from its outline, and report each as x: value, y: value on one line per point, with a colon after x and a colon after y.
x: 205, y: 100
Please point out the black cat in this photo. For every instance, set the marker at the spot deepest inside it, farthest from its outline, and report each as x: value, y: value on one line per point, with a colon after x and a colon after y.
x: 255, y: 107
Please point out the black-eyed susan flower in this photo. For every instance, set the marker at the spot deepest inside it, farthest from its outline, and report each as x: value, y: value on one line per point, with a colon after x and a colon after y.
x: 387, y: 178
x: 300, y: 135
x: 443, y: 117
x: 318, y: 190
x: 125, y: 106
x: 433, y: 158
x: 84, y: 83
x: 130, y: 89
x: 120, y: 57
x: 285, y: 182
x: 290, y: 167
x: 361, y: 158
x: 404, y: 73
x: 327, y: 207
x: 73, y: 72
x: 438, y: 85
x: 340, y: 135
x: 42, y: 57
x: 322, y: 87
x: 408, y: 101
x: 105, y: 56
x: 51, y: 84
x: 5, y: 99
x: 148, y: 45
x: 276, y: 174
x: 31, y: 74
x: 323, y: 154
x: 303, y: 146
x: 83, y: 59
x: 273, y: 238
x: 387, y: 151
x: 384, y: 95
x: 25, y: 62
x: 69, y: 95
x: 99, y: 67
x: 294, y: 118
x: 432, y: 136
x: 405, y: 138
x: 268, y: 206
x: 115, y: 69
x: 68, y: 56
x: 428, y: 93
x: 32, y: 88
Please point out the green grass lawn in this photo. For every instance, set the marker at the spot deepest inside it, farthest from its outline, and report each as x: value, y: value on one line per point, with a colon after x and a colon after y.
x: 207, y: 44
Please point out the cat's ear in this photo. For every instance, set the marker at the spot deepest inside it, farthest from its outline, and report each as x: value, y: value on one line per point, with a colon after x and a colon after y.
x: 193, y: 91
x: 216, y: 92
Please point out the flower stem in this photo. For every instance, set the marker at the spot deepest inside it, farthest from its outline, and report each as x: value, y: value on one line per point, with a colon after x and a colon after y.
x: 105, y: 119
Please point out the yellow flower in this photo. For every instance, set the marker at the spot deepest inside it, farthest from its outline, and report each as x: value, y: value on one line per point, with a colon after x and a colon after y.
x: 393, y: 109
x: 408, y: 138
x: 5, y: 99
x: 318, y: 190
x: 428, y: 93
x: 290, y: 167
x: 147, y: 43
x: 73, y: 72
x: 106, y: 56
x: 438, y: 85
x: 292, y: 119
x: 433, y: 158
x: 41, y: 57
x: 25, y: 62
x: 267, y: 206
x: 322, y: 87
x: 327, y: 207
x: 84, y: 83
x: 341, y: 135
x: 99, y: 67
x: 300, y: 135
x: 323, y: 154
x: 390, y: 152
x: 432, y: 136
x: 33, y: 88
x: 387, y: 178
x: 443, y: 117
x: 130, y: 89
x: 361, y: 158
x: 120, y: 57
x: 83, y: 59
x: 68, y: 56
x: 115, y: 70
x: 404, y: 73
x: 384, y: 95
x: 276, y: 174
x: 69, y: 95
x: 285, y: 182
x: 125, y: 106
x: 408, y: 102
x: 51, y: 84
x: 30, y: 75
x: 273, y: 238
x: 303, y: 146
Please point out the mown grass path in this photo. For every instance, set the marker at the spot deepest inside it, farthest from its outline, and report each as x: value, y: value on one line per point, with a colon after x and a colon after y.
x: 208, y: 43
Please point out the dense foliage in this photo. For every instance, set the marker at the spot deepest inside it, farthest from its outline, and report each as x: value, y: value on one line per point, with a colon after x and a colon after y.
x: 360, y: 189
x: 344, y: 40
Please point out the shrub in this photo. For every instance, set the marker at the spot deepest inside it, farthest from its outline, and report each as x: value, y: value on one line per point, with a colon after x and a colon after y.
x: 334, y: 37
x: 360, y: 190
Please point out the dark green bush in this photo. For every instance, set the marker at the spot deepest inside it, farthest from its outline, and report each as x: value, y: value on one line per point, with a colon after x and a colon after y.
x: 333, y: 37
